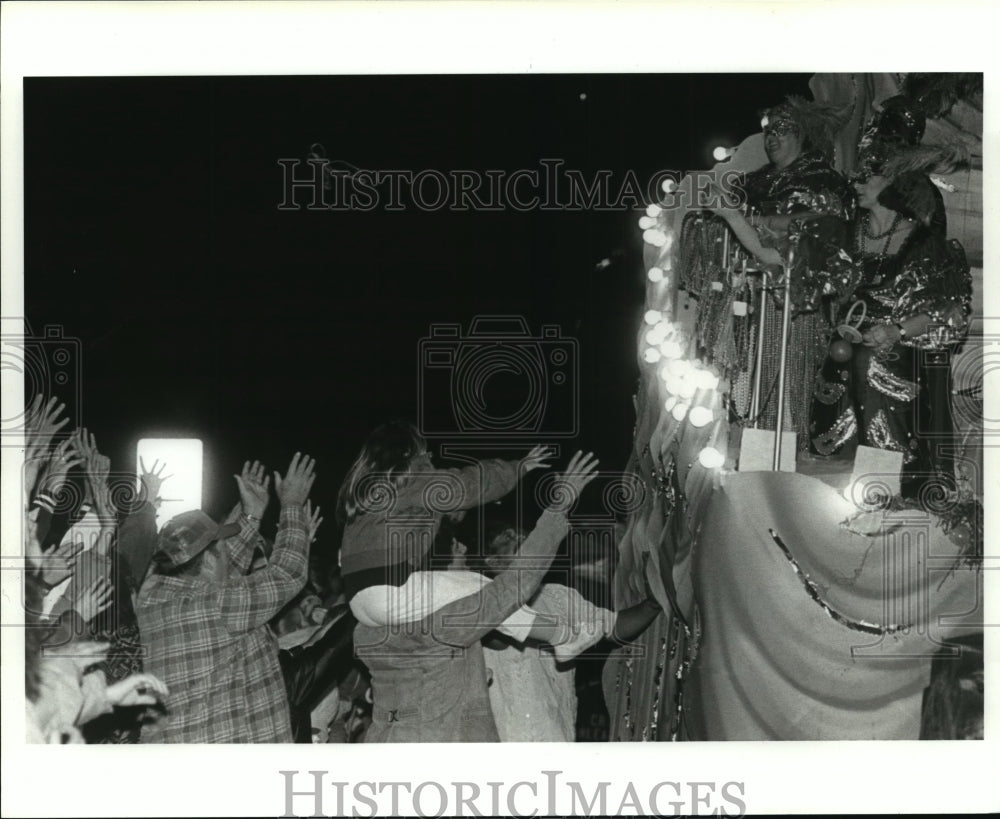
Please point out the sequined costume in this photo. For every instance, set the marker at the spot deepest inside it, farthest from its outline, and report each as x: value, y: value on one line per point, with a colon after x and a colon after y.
x: 900, y: 400
x: 821, y: 204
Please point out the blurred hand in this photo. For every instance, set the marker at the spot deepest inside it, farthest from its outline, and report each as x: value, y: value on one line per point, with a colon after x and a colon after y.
x: 95, y: 599
x: 63, y: 458
x: 253, y: 483
x: 103, y: 507
x: 580, y: 471
x: 42, y: 424
x: 60, y: 562
x: 313, y: 521
x: 536, y: 459
x: 152, y: 479
x: 137, y: 689
x: 294, y: 488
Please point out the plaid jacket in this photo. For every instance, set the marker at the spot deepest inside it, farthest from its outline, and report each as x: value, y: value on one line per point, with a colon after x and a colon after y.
x: 212, y: 647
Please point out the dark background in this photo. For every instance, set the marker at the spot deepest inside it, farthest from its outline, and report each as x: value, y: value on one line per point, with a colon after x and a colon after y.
x: 153, y: 236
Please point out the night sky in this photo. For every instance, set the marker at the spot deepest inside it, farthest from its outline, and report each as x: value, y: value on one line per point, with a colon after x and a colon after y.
x: 153, y: 235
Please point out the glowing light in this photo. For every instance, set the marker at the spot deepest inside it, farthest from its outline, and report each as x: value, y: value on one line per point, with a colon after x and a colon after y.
x: 653, y: 316
x: 681, y: 368
x: 652, y: 355
x: 763, y: 122
x: 668, y: 185
x: 656, y: 238
x: 654, y: 210
x: 647, y: 222
x: 183, y: 457
x: 711, y: 458
x: 670, y: 403
x: 655, y: 274
x: 671, y: 349
x: 705, y: 379
x: 686, y: 388
x: 720, y: 153
x: 679, y: 412
x: 700, y: 416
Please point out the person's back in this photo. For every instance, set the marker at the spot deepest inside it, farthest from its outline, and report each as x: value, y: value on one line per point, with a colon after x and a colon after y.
x: 204, y: 664
x: 425, y: 691
x: 204, y: 620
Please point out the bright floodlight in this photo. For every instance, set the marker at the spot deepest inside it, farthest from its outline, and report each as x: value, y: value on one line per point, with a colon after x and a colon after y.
x: 183, y: 458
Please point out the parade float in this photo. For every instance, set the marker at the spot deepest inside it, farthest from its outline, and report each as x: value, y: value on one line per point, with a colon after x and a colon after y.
x: 803, y: 599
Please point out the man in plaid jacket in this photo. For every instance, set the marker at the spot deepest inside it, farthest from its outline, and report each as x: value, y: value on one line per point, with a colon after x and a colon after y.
x: 203, y: 618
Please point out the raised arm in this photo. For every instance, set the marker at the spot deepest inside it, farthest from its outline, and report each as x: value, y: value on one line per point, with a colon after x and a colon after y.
x: 253, y: 483
x: 250, y: 601
x: 473, y: 485
x: 467, y: 620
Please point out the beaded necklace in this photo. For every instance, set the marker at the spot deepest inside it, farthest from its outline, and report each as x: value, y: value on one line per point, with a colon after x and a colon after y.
x: 864, y: 233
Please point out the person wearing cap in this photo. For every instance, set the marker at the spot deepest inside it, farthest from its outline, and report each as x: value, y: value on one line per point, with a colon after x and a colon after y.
x: 204, y: 619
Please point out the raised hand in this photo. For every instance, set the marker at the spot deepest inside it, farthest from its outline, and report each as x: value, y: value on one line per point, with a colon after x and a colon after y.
x: 94, y: 599
x: 103, y: 507
x: 313, y: 521
x: 42, y: 424
x: 580, y: 471
x: 60, y: 562
x: 294, y: 488
x: 137, y: 689
x: 536, y: 459
x: 63, y: 458
x: 152, y: 479
x: 253, y: 483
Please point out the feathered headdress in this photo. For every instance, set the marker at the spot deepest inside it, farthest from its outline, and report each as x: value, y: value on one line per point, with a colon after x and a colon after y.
x: 890, y: 147
x: 816, y: 122
x: 925, y: 159
x: 912, y: 192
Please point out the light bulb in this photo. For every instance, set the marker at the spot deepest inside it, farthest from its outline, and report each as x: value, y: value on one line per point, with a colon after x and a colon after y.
x: 686, y: 388
x: 679, y: 411
x: 671, y: 349
x: 700, y: 416
x: 720, y: 153
x: 711, y: 458
x: 655, y: 274
x: 647, y: 222
x: 653, y: 316
x: 654, y: 210
x: 656, y: 238
x: 652, y: 355
x: 705, y: 379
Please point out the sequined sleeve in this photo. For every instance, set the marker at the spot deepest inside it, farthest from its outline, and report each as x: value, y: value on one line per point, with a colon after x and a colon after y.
x: 941, y: 289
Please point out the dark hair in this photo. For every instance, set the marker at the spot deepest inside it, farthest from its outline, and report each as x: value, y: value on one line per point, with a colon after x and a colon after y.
x: 387, y: 453
x: 914, y: 196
